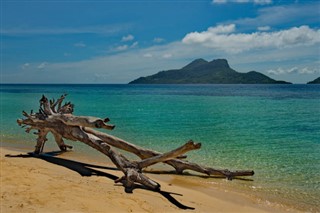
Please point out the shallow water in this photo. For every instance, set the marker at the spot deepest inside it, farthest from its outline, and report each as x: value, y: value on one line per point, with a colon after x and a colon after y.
x: 272, y: 129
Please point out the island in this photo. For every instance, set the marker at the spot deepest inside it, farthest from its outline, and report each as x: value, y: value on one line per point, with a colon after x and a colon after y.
x: 201, y: 71
x: 315, y: 81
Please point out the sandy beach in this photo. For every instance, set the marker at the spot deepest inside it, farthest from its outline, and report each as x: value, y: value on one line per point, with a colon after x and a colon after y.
x: 56, y: 184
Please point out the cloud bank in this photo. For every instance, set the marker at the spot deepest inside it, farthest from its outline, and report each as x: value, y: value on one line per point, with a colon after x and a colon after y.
x: 293, y: 70
x: 224, y: 37
x: 127, y: 38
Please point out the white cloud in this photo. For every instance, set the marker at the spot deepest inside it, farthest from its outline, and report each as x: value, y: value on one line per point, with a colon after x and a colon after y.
x: 25, y: 66
x: 100, y: 77
x: 293, y: 70
x: 206, y: 37
x: 307, y: 70
x: 148, y: 55
x: 158, y: 40
x: 241, y: 1
x: 219, y: 1
x: 122, y: 47
x: 134, y: 44
x: 126, y: 47
x: 167, y: 55
x: 223, y: 38
x: 222, y: 29
x: 80, y: 44
x: 260, y: 2
x: 42, y: 65
x: 264, y: 28
x: 127, y: 38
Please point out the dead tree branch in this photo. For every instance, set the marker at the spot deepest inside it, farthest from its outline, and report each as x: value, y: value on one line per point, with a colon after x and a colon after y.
x: 57, y: 118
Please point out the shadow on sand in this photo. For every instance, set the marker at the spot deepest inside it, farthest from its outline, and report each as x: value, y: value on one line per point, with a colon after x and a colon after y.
x: 88, y: 170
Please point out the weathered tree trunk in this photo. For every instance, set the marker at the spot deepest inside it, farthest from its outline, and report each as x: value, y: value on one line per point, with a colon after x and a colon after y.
x: 58, y: 119
x: 178, y: 164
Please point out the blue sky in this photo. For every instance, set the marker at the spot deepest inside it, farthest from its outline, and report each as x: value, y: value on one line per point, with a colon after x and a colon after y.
x: 118, y: 41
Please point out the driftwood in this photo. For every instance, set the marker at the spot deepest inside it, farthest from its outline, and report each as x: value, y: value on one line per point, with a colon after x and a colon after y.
x: 57, y: 118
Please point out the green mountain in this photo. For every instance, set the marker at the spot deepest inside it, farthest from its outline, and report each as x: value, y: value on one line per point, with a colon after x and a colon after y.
x: 201, y: 71
x: 315, y: 81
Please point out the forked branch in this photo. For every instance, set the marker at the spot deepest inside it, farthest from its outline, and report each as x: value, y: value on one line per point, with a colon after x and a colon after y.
x: 57, y: 118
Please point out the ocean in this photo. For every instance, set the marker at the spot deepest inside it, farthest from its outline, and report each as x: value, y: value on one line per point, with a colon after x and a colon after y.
x: 271, y: 129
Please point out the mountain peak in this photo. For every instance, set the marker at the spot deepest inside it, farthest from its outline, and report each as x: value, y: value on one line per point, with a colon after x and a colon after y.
x: 199, y: 60
x: 220, y: 63
x: 195, y: 63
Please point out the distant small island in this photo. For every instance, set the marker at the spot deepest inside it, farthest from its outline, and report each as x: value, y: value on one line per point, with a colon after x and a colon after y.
x: 315, y: 81
x: 201, y: 71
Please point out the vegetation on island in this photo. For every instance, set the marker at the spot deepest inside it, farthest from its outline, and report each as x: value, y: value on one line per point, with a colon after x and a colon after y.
x: 201, y: 71
x: 315, y: 81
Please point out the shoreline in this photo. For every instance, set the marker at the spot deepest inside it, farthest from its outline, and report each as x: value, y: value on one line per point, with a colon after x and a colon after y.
x: 64, y: 183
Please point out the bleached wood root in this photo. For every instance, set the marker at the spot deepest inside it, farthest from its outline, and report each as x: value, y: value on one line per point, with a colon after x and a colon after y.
x: 56, y: 118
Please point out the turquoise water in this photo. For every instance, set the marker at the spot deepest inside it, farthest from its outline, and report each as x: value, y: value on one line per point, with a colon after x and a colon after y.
x: 272, y: 129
